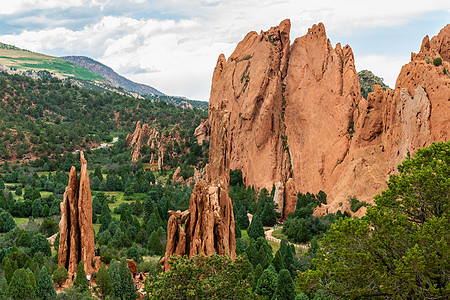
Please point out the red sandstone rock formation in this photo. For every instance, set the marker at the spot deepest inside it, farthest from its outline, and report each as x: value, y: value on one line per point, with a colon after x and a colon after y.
x: 208, y: 226
x: 176, y: 177
x: 296, y: 116
x: 202, y: 131
x: 76, y: 241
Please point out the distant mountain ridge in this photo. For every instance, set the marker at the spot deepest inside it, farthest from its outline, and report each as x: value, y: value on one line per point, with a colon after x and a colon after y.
x: 110, y: 75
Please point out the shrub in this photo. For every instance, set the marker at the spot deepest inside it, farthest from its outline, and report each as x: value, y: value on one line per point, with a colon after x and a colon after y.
x: 60, y: 275
x: 355, y: 204
x: 81, y: 283
x: 437, y: 61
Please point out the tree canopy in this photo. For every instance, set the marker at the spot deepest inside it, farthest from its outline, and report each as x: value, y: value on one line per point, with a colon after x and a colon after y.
x: 400, y: 249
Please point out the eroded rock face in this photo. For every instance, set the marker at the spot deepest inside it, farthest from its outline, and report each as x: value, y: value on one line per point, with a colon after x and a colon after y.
x: 202, y: 132
x: 208, y: 226
x: 177, y: 176
x: 296, y: 116
x: 150, y: 137
x: 76, y: 242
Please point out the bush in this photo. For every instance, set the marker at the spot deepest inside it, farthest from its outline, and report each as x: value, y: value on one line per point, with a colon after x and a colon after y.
x: 213, y: 277
x: 355, y: 204
x: 437, y: 61
x: 81, y: 283
x: 60, y: 275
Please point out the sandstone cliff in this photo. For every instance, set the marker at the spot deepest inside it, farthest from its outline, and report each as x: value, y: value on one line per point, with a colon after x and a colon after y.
x: 76, y: 241
x: 208, y: 226
x: 296, y: 116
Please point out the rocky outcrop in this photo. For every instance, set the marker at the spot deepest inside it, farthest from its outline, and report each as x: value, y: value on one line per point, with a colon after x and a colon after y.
x: 296, y: 115
x: 76, y: 241
x: 208, y: 226
x: 249, y: 87
x: 176, y: 177
x: 202, y: 132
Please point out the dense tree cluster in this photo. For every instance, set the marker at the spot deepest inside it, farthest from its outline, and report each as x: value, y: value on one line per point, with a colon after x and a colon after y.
x: 400, y: 249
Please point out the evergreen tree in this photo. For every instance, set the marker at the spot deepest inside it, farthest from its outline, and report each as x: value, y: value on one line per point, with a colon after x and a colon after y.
x: 268, y: 215
x: 103, y: 281
x: 81, y: 283
x: 60, y: 275
x: 121, y: 281
x: 256, y: 275
x: 31, y: 279
x: 285, y: 286
x: 303, y: 233
x: 242, y: 218
x: 154, y: 222
x: 260, y: 252
x: 142, y: 237
x: 400, y: 248
x: 45, y: 288
x: 278, y: 261
x: 4, y: 288
x: 267, y: 283
x: 154, y: 244
x: 237, y: 230
x: 10, y: 266
x: 40, y: 244
x: 256, y: 228
x: 19, y: 286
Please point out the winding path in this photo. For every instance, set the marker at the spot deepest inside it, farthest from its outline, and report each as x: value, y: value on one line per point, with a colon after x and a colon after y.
x: 270, y: 237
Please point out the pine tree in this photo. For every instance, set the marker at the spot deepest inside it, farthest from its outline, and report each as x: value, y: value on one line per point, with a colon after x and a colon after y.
x: 45, y: 288
x: 142, y: 236
x: 278, y: 261
x: 285, y: 286
x: 256, y: 228
x: 103, y: 281
x: 154, y: 222
x: 10, y: 266
x: 267, y: 283
x: 81, y: 283
x: 31, y: 279
x: 256, y: 275
x: 303, y: 233
x: 154, y: 244
x: 19, y: 286
x: 268, y: 215
x: 237, y: 230
x: 242, y: 218
x: 4, y: 288
x: 121, y: 281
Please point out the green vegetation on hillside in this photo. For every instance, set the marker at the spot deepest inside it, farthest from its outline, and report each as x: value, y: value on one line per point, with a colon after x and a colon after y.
x: 26, y: 60
x: 367, y: 80
x: 41, y: 117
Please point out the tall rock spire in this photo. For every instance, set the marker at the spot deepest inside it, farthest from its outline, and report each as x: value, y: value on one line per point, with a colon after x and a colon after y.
x: 76, y: 239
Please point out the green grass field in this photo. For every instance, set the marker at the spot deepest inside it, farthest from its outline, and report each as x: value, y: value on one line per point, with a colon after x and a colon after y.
x: 24, y: 60
x: 277, y: 234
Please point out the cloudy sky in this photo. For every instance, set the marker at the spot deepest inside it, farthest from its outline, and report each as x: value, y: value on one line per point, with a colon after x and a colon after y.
x: 173, y: 45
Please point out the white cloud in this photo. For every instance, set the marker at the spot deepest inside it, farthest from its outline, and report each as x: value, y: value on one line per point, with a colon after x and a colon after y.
x: 20, y: 6
x: 179, y: 52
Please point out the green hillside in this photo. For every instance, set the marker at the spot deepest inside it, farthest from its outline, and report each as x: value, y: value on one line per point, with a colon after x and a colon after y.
x: 17, y: 58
